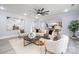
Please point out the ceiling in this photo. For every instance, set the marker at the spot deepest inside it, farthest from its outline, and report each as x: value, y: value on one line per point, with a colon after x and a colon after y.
x: 29, y: 8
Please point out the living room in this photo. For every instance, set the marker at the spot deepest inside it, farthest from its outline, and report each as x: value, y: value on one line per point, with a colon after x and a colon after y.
x: 33, y: 23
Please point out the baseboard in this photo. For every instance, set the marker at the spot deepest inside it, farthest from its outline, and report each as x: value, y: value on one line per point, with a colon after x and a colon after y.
x: 9, y: 37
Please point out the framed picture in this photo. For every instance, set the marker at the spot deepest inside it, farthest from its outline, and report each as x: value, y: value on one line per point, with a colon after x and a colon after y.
x: 14, y: 23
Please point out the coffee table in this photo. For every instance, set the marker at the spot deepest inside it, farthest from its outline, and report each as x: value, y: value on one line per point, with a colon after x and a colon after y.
x: 34, y: 40
x: 30, y: 40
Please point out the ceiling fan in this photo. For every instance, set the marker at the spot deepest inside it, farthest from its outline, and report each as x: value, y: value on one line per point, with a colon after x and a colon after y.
x: 41, y: 11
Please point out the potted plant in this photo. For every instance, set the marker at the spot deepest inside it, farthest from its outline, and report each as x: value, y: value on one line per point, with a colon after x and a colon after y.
x: 73, y: 27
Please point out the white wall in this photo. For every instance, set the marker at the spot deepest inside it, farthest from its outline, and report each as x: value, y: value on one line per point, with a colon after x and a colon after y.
x: 28, y: 23
x: 3, y: 26
x: 65, y: 18
x: 39, y: 22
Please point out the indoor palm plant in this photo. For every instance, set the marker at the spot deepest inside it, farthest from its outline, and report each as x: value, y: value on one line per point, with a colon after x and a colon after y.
x: 73, y: 26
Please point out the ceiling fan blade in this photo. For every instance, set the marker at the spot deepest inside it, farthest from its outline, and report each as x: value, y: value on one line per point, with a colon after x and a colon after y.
x: 39, y: 10
x: 46, y: 11
x: 43, y: 14
x: 42, y: 9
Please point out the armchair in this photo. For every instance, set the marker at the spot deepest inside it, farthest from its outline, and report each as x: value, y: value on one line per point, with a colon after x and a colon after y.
x: 58, y: 46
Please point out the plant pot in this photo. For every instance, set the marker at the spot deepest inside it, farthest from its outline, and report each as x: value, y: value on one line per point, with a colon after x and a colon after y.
x: 74, y: 35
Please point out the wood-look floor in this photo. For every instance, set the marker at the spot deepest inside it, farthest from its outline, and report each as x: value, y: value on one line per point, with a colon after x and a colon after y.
x: 6, y: 48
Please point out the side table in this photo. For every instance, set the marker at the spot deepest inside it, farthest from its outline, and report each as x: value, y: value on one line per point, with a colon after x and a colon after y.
x: 42, y: 46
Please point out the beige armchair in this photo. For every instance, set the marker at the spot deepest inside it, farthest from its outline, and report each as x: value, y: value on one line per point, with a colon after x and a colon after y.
x: 58, y: 46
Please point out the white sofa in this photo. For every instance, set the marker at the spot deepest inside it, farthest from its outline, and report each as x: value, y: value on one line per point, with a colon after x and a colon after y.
x: 57, y: 47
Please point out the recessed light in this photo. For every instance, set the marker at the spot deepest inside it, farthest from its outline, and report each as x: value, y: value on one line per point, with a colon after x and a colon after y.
x: 2, y: 8
x: 66, y: 10
x: 25, y: 14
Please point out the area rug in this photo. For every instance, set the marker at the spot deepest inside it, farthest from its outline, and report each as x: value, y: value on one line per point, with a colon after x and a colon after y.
x: 19, y: 48
x: 17, y: 45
